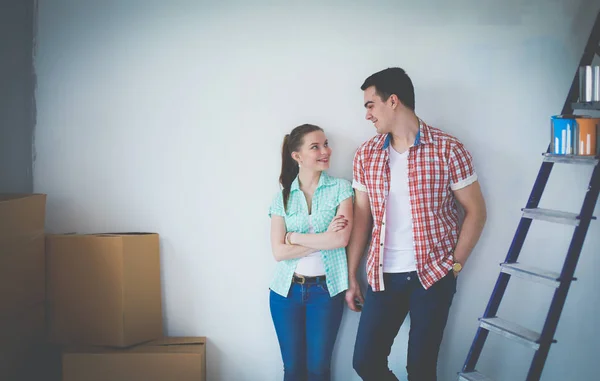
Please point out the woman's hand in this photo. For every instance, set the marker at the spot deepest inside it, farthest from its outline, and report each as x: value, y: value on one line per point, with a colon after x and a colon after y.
x: 337, y: 224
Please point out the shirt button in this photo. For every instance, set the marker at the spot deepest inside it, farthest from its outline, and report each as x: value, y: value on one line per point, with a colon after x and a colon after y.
x: 381, y: 244
x: 381, y: 265
x: 407, y: 278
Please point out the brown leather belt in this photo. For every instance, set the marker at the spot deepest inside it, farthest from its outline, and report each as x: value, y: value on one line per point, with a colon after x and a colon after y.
x: 301, y: 279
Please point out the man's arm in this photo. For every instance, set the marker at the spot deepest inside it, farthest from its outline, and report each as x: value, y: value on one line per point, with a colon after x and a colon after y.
x: 471, y: 199
x: 358, y: 240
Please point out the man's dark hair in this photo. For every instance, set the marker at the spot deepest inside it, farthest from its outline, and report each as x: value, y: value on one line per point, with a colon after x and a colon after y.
x: 393, y: 80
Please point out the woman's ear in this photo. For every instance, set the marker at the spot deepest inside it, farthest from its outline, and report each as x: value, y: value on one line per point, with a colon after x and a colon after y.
x: 296, y: 156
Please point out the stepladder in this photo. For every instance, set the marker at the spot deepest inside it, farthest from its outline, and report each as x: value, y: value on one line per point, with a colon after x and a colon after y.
x: 560, y: 281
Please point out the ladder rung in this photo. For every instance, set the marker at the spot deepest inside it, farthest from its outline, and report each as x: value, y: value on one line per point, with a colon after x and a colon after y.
x: 531, y: 273
x: 511, y: 331
x: 552, y: 216
x: 586, y: 105
x: 473, y: 376
x: 571, y: 159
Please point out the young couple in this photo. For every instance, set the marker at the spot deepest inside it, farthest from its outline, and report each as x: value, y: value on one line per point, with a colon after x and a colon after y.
x: 405, y: 183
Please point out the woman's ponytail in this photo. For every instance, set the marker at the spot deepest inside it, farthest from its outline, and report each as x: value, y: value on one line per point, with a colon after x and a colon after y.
x: 292, y: 142
x: 289, y: 170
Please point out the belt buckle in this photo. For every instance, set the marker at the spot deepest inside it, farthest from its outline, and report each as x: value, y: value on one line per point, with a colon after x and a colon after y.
x: 303, y: 279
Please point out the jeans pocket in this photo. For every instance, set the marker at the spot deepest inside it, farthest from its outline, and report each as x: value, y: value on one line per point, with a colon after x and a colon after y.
x: 275, y: 297
x: 322, y: 287
x: 454, y: 281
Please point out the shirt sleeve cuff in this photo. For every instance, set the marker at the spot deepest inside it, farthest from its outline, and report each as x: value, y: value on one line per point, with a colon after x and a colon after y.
x: 464, y: 183
x: 358, y: 186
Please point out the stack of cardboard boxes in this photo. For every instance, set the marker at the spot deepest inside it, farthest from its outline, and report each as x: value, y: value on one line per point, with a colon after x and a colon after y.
x: 22, y: 283
x: 103, y: 302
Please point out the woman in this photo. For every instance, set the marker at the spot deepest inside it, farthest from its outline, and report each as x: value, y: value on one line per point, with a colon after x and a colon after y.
x: 311, y: 221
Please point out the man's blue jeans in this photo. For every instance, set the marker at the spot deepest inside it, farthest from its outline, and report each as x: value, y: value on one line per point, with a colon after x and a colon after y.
x: 384, y: 312
x: 307, y: 323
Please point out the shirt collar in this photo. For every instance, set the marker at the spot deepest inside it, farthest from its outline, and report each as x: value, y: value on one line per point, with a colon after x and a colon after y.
x: 423, y: 136
x: 324, y: 180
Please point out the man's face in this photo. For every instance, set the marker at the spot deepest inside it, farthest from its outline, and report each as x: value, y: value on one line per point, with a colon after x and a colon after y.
x: 380, y: 113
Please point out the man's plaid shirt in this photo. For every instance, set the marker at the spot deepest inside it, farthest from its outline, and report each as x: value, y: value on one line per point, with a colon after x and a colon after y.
x: 437, y: 165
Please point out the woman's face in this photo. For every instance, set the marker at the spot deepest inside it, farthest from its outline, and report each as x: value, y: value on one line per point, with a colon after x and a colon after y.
x: 314, y: 153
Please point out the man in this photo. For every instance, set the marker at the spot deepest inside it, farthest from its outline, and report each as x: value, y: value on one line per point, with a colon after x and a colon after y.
x: 407, y: 179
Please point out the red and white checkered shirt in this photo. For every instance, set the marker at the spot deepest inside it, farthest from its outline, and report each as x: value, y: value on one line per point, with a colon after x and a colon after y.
x: 437, y: 165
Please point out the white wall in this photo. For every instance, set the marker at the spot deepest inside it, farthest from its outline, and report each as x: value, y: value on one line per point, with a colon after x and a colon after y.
x: 169, y: 117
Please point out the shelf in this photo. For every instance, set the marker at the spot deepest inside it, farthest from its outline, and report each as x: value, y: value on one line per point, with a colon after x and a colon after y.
x: 586, y: 105
x: 571, y: 159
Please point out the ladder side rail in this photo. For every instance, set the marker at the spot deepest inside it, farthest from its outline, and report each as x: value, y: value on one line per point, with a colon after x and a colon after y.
x: 566, y: 276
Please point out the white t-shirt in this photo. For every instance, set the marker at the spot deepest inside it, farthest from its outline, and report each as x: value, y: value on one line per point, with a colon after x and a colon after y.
x: 312, y: 264
x: 399, y: 249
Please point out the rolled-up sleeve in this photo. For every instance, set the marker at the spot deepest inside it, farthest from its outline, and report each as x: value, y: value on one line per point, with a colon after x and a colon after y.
x: 462, y: 170
x: 358, y: 173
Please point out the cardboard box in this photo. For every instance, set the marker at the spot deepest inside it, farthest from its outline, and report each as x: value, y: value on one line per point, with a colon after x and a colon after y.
x: 104, y: 289
x: 22, y: 261
x: 173, y: 359
x: 20, y: 337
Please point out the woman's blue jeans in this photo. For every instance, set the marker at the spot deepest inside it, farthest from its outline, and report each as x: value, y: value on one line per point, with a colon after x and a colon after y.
x: 307, y: 323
